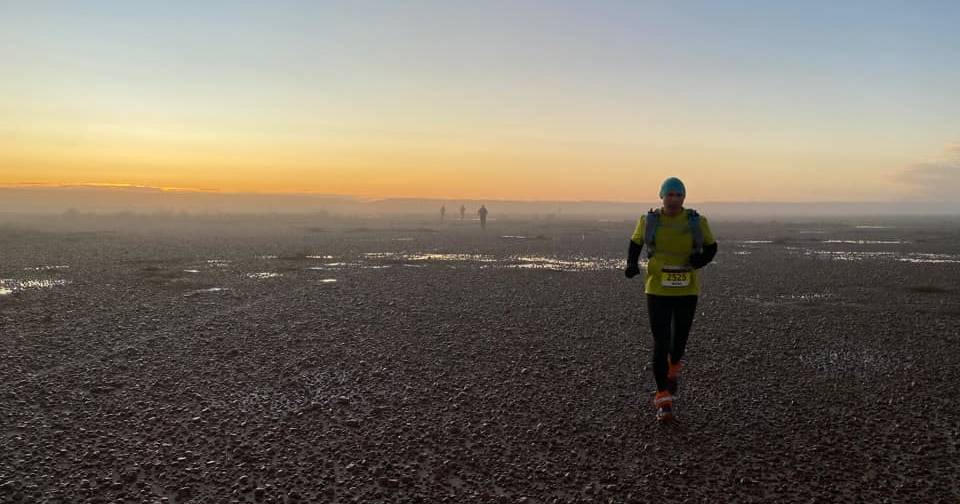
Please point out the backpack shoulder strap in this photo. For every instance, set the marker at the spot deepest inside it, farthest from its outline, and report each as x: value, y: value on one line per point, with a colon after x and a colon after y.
x: 693, y: 219
x: 650, y: 230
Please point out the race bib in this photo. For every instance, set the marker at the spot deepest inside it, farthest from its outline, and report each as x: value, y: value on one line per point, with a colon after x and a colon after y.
x: 674, y: 278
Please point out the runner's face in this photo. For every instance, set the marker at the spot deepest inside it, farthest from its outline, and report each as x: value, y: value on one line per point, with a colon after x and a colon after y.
x: 673, y: 201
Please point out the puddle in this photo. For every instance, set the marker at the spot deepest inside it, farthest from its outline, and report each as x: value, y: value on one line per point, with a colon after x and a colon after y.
x: 191, y: 271
x: 31, y: 284
x: 847, y: 255
x: 334, y: 266
x: 328, y: 280
x: 782, y: 299
x: 742, y: 252
x: 47, y: 268
x: 9, y: 285
x: 544, y: 237
x: 417, y: 260
x: 218, y: 263
x: 40, y: 284
x: 756, y: 242
x: 450, y: 257
x: 211, y: 290
x: 513, y: 237
x: 913, y: 257
x: 573, y: 264
x: 867, y: 242
x: 403, y: 239
x: 319, y: 257
x: 422, y: 257
x: 805, y: 297
x: 917, y: 257
x: 812, y: 231
x: 339, y: 265
x: 265, y: 274
x: 873, y: 227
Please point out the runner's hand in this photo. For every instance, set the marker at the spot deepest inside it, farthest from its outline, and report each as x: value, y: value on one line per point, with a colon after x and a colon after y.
x: 698, y: 261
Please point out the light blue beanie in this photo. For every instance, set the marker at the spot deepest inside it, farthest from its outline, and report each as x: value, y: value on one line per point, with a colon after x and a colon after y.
x: 672, y: 184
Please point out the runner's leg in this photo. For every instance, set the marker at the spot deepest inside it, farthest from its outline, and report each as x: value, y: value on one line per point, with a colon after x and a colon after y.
x: 684, y: 309
x: 660, y: 312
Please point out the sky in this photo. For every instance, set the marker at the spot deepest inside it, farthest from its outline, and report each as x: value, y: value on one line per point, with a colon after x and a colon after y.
x: 530, y: 100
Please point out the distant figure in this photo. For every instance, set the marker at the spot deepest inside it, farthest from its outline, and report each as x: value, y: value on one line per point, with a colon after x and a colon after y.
x: 463, y: 211
x: 483, y: 216
x: 443, y: 212
x: 679, y: 242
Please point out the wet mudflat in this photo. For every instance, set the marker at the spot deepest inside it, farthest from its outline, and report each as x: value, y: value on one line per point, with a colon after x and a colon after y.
x: 380, y: 361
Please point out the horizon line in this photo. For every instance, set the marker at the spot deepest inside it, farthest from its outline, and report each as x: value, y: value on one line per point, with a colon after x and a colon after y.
x: 373, y: 199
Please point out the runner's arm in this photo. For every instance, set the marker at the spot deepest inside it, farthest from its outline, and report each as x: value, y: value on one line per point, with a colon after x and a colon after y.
x: 633, y: 259
x: 633, y: 253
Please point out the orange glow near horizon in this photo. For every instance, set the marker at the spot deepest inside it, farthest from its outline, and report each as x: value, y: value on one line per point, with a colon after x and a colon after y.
x: 484, y: 166
x: 514, y: 102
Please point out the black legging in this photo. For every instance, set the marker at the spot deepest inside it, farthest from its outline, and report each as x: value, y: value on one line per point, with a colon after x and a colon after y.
x: 670, y: 320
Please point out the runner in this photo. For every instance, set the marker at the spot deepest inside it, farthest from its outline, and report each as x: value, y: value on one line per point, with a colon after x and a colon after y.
x: 679, y: 242
x: 483, y: 216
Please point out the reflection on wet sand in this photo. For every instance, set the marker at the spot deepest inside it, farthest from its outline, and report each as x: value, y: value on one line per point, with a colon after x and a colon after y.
x: 10, y: 285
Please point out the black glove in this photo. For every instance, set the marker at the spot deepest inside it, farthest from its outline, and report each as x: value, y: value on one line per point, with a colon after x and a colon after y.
x: 633, y: 258
x: 701, y: 259
x: 698, y: 261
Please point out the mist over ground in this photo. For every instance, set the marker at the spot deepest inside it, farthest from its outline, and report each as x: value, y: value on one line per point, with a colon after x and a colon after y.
x: 139, y: 200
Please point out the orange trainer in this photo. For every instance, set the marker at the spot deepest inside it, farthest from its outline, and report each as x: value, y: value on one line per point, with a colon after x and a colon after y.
x: 664, y: 404
x: 673, y: 376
